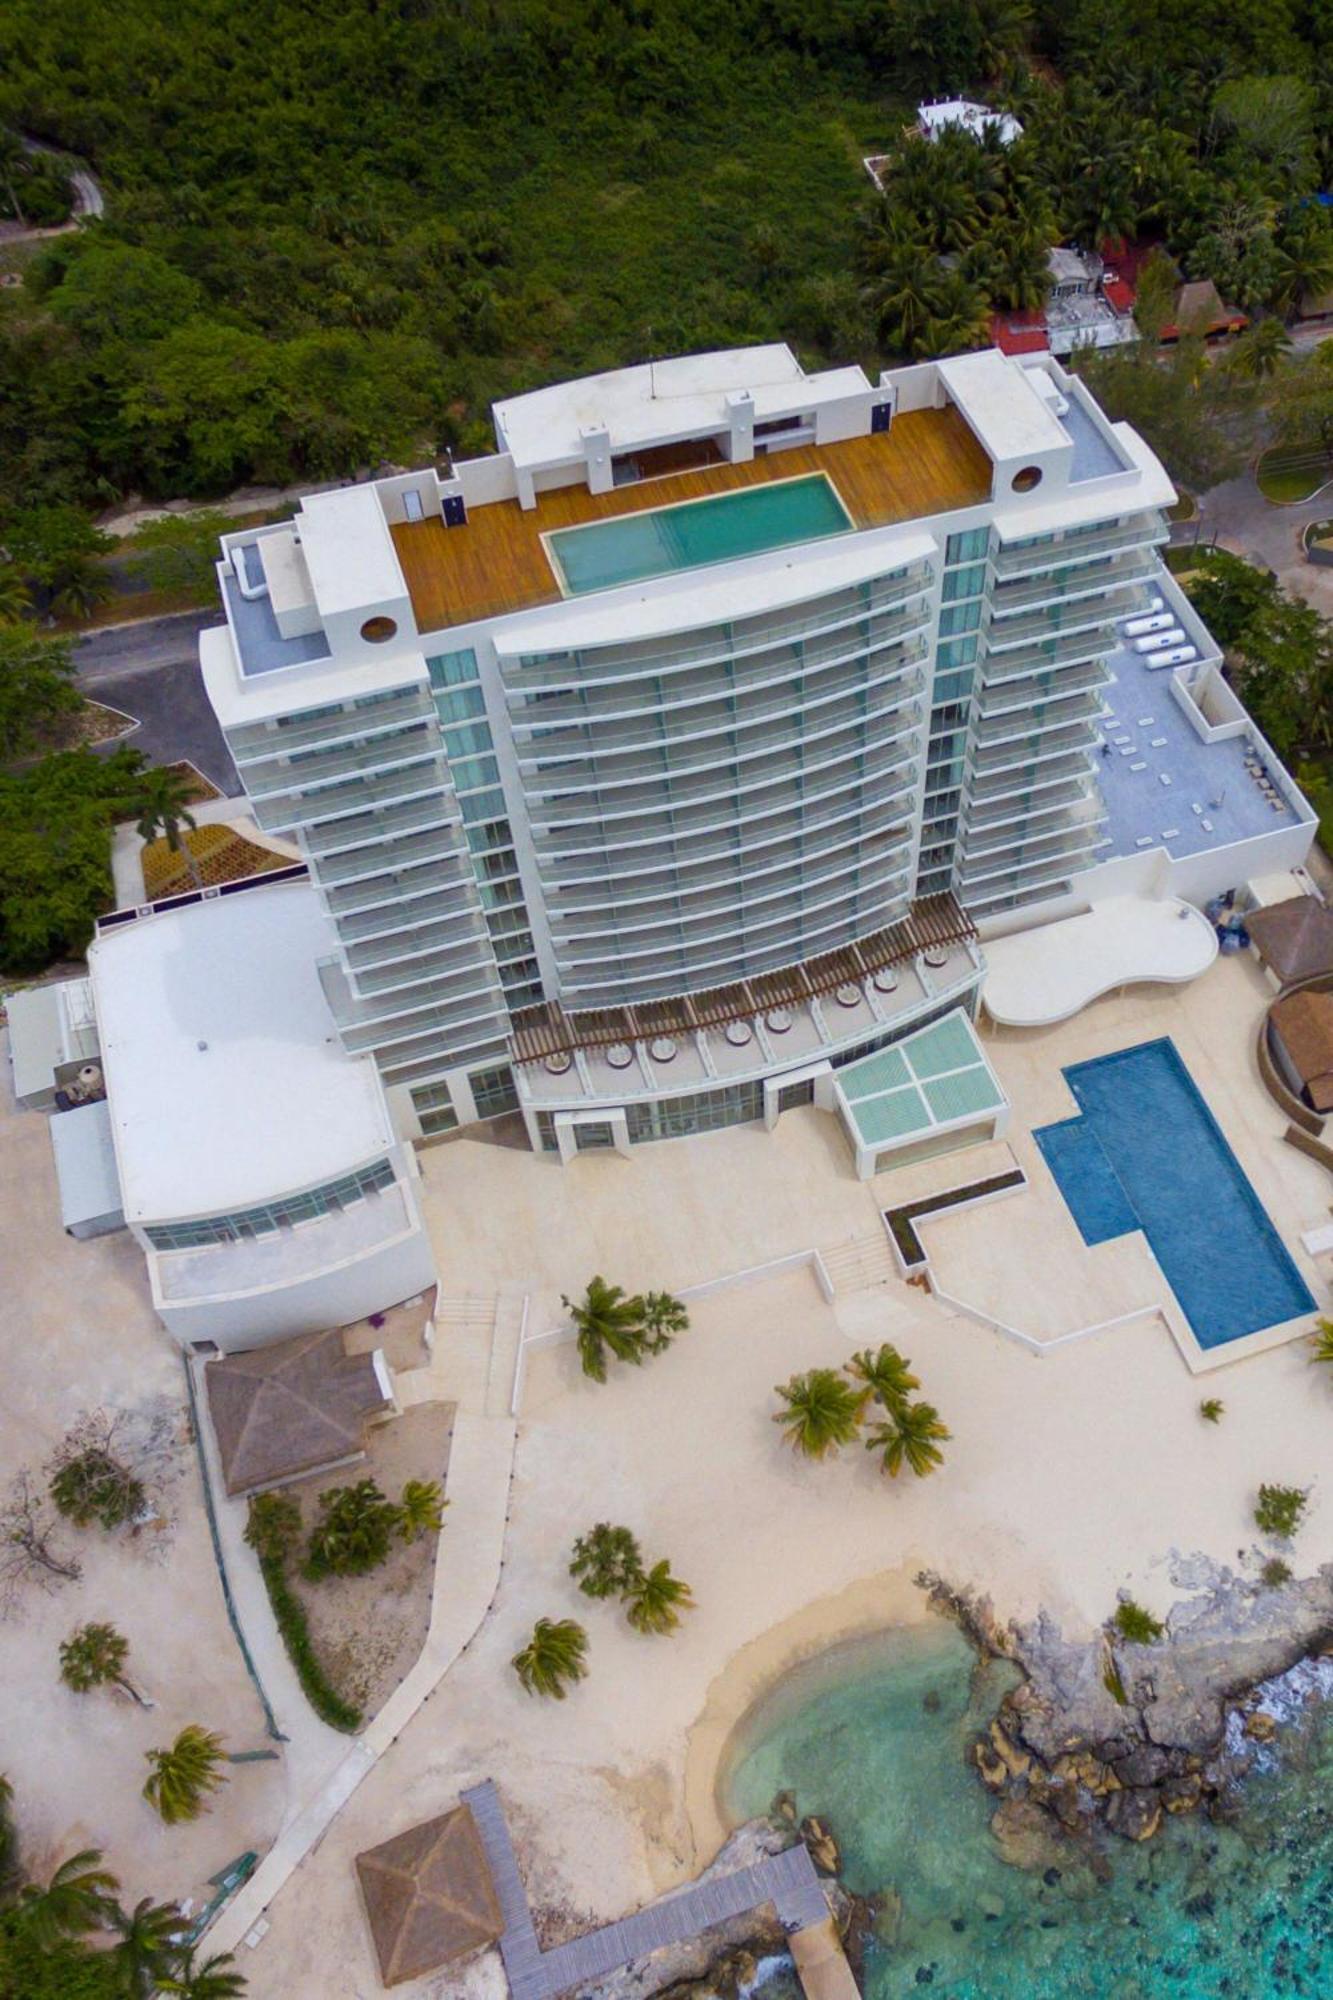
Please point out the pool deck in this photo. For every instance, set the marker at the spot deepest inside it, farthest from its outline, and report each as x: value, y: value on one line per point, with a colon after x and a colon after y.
x: 929, y: 462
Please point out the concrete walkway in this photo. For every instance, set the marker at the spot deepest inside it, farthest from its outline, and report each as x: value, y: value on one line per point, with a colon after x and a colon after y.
x: 481, y: 1463
x: 788, y: 1881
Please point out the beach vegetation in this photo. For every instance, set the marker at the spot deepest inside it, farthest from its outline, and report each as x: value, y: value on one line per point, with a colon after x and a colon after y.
x: 93, y: 1656
x: 606, y: 1562
x: 1321, y: 1342
x: 90, y: 1480
x: 911, y: 1436
x: 1113, y: 1682
x: 184, y: 1774
x: 352, y: 1533
x: 664, y: 1316
x: 1135, y: 1624
x: 1279, y: 1510
x: 1275, y: 1573
x: 554, y: 1658
x: 420, y: 1510
x: 69, y: 1938
x: 655, y: 1600
x: 273, y: 1530
x: 1211, y: 1410
x: 885, y: 1374
x: 30, y: 1552
x: 821, y: 1412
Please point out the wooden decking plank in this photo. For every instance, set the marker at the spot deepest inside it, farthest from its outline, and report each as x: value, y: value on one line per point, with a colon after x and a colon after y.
x: 928, y: 462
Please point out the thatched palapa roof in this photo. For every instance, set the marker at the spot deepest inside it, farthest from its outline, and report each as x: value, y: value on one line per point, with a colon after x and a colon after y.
x: 429, y: 1896
x: 1295, y: 938
x: 1303, y: 1023
x: 293, y: 1408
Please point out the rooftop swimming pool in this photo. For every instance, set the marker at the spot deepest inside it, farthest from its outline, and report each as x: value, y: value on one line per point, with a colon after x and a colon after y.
x: 695, y: 532
x: 1146, y: 1153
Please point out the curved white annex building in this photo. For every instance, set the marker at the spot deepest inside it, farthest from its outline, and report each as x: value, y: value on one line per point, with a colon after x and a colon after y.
x: 671, y: 757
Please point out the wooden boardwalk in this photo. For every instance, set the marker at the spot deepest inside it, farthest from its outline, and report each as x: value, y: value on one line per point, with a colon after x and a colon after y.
x: 787, y: 1880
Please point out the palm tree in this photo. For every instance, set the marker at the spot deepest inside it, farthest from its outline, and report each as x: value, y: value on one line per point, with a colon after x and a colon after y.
x: 886, y: 1374
x: 149, y: 1937
x: 657, y: 1599
x: 162, y: 797
x: 663, y: 1318
x: 1304, y: 270
x: 959, y: 319
x: 95, y: 1655
x: 184, y: 1774
x: 1321, y: 1342
x: 822, y: 1412
x: 79, y: 1898
x: 910, y: 1438
x: 83, y: 586
x: 213, y: 1980
x: 420, y: 1509
x: 1260, y: 351
x: 15, y: 598
x: 606, y: 1318
x: 606, y: 1561
x: 554, y: 1657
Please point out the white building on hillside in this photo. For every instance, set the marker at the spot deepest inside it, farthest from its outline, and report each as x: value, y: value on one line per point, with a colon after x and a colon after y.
x: 674, y: 755
x: 957, y: 114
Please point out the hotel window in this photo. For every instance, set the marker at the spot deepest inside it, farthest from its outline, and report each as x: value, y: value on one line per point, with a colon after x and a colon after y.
x: 493, y: 1091
x: 450, y: 669
x: 964, y: 582
x: 960, y: 617
x: 968, y: 546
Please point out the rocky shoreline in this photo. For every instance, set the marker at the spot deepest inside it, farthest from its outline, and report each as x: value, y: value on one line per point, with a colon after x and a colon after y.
x: 1103, y: 1736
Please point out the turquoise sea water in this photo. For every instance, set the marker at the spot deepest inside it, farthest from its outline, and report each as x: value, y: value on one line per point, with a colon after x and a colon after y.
x: 696, y: 532
x: 874, y: 1736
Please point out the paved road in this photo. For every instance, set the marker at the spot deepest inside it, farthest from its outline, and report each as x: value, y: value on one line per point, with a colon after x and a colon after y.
x: 1237, y: 514
x: 118, y: 650
x: 151, y: 671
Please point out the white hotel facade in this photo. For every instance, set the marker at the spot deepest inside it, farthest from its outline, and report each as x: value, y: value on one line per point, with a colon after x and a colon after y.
x: 638, y: 819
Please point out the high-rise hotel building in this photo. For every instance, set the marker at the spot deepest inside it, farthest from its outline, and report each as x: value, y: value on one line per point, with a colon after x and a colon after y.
x: 677, y: 750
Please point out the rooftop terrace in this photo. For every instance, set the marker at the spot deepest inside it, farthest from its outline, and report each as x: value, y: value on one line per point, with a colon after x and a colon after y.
x: 929, y: 462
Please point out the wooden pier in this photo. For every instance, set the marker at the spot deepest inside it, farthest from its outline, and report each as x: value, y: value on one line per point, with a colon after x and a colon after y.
x: 788, y: 1881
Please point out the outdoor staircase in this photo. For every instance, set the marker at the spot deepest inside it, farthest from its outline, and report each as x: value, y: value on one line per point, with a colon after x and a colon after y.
x: 860, y: 1263
x: 473, y: 1356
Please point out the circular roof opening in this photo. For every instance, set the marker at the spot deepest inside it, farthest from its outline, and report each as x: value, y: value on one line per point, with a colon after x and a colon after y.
x: 377, y: 630
x: 1024, y: 481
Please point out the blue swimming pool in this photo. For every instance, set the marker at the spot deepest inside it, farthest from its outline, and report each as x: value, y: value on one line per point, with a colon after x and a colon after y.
x: 697, y: 532
x: 1146, y: 1153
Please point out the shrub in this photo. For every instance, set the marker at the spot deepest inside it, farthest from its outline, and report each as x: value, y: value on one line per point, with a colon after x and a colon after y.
x: 273, y: 1526
x: 1135, y: 1624
x: 606, y: 1561
x: 554, y: 1658
x: 273, y: 1531
x: 184, y: 1774
x: 351, y: 1536
x: 1275, y: 1573
x: 1279, y: 1509
x: 1211, y: 1410
x: 289, y: 1612
x: 94, y: 1485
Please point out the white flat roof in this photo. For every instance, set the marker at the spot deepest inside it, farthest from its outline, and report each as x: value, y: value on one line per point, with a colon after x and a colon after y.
x: 973, y: 118
x: 1044, y: 975
x: 348, y: 550
x: 683, y: 397
x: 1002, y: 406
x: 85, y: 1164
x: 732, y: 590
x: 226, y: 1081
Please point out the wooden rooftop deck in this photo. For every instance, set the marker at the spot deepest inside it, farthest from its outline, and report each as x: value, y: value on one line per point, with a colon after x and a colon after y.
x: 927, y: 463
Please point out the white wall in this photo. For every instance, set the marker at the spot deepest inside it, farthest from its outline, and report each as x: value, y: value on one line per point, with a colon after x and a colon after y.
x: 485, y: 480
x: 382, y: 1278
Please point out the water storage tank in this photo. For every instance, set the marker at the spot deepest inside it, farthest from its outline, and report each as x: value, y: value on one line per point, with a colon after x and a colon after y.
x: 1172, y: 636
x: 1175, y: 656
x: 1157, y: 621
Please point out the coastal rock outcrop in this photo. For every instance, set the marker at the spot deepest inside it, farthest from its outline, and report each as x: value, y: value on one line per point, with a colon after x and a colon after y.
x: 1103, y: 1734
